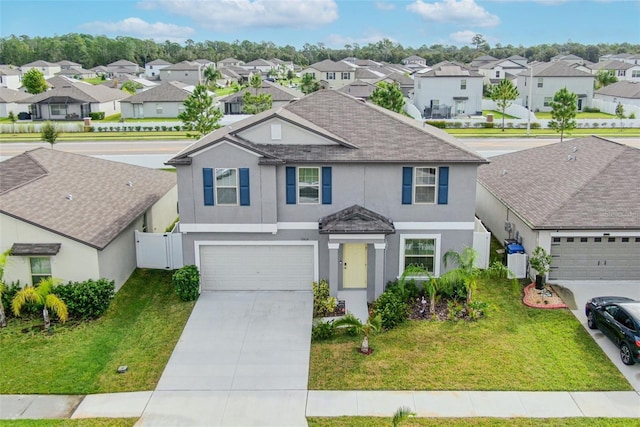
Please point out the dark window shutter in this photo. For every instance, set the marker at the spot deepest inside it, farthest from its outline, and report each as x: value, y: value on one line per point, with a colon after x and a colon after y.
x: 207, y: 181
x: 326, y: 185
x: 443, y: 185
x: 407, y: 185
x: 245, y: 195
x: 291, y: 185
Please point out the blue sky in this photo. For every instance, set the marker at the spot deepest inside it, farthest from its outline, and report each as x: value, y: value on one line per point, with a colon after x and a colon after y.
x: 334, y: 23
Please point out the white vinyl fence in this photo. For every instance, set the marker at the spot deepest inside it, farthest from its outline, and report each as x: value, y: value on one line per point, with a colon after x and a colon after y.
x: 159, y: 250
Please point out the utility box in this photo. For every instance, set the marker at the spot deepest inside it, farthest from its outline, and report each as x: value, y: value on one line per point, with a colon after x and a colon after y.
x: 517, y: 263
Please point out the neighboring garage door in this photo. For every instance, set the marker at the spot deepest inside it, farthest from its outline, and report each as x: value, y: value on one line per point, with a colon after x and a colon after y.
x: 257, y: 267
x: 595, y: 258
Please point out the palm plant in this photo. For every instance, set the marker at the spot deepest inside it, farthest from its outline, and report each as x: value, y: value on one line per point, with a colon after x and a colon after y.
x: 41, y: 295
x: 401, y: 415
x: 211, y: 75
x: 3, y: 261
x: 465, y: 272
x: 372, y: 325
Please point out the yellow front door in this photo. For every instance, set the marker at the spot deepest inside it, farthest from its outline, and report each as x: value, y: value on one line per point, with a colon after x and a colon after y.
x: 354, y: 265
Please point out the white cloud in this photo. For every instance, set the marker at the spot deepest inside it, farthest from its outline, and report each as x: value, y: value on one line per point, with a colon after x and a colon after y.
x: 383, y: 5
x: 462, y: 37
x: 337, y: 41
x: 137, y: 27
x: 462, y: 12
x: 229, y: 15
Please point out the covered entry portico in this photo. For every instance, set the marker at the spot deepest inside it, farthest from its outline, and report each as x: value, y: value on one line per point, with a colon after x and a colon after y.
x: 357, y: 244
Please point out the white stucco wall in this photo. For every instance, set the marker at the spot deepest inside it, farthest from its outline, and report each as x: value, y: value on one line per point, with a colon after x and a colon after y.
x: 444, y: 89
x: 118, y: 260
x: 150, y: 110
x: 551, y: 85
x: 164, y: 212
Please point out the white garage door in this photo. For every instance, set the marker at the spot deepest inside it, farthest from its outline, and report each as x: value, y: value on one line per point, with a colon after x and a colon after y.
x: 257, y: 267
x: 595, y: 258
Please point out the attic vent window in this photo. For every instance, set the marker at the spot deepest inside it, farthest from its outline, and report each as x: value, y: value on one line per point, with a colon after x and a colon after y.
x: 129, y: 184
x: 69, y: 197
x: 276, y: 132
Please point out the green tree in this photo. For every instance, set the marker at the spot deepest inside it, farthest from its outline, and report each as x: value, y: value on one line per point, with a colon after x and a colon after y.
x: 308, y: 84
x: 131, y: 87
x: 211, y: 76
x: 33, y: 80
x: 478, y: 40
x: 564, y: 109
x: 372, y: 325
x: 389, y: 96
x: 256, y: 82
x: 42, y: 295
x: 620, y: 112
x: 3, y: 262
x: 200, y: 114
x: 13, y: 119
x: 254, y: 104
x: 503, y: 94
x: 604, y: 78
x: 466, y: 272
x: 49, y: 133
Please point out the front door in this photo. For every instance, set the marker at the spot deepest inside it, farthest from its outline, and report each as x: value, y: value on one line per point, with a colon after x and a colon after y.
x: 354, y: 265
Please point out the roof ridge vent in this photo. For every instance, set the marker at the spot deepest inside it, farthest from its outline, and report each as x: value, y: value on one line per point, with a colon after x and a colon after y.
x: 69, y: 197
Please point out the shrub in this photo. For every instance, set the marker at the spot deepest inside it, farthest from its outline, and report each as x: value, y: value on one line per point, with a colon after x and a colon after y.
x: 138, y: 128
x: 91, y: 129
x: 591, y: 110
x: 391, y: 308
x: 164, y: 128
x: 7, y: 296
x: 452, y: 289
x: 632, y: 115
x: 476, y: 309
x: 322, y: 331
x: 441, y: 124
x: 323, y: 302
x: 535, y: 125
x: 177, y: 128
x: 455, y: 309
x: 595, y: 125
x: 407, y: 290
x: 186, y: 280
x: 98, y: 115
x: 487, y: 125
x: 88, y: 299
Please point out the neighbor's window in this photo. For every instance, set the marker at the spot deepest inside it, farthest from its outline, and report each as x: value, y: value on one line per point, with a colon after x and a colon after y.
x: 420, y: 252
x: 497, y: 74
x: 463, y: 84
x: 158, y: 108
x: 425, y: 186
x: 345, y: 76
x: 308, y: 185
x: 227, y: 186
x: 331, y: 76
x: 40, y: 269
x: 313, y: 75
x: 540, y: 82
x: 547, y: 101
x: 622, y: 73
x: 635, y: 74
x: 58, y: 109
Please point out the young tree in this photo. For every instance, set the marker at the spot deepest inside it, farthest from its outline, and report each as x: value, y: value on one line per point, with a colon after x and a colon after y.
x: 49, y: 133
x: 211, y: 76
x: 200, y: 114
x: 254, y: 104
x: 41, y: 295
x: 256, y: 82
x: 308, y: 84
x: 33, y: 80
x: 389, y: 96
x: 604, y: 78
x: 620, y: 112
x: 564, y: 109
x: 466, y: 272
x: 13, y: 119
x: 372, y: 325
x: 503, y: 95
x: 131, y: 87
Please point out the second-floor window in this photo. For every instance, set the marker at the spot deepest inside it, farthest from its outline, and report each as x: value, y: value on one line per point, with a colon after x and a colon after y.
x: 308, y: 185
x: 331, y: 76
x: 547, y: 101
x: 425, y: 185
x: 463, y: 84
x: 345, y: 76
x: 227, y: 186
x: 540, y: 82
x: 497, y: 74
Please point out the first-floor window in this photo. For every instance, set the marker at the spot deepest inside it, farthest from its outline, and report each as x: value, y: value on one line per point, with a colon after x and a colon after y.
x: 40, y: 269
x: 635, y: 74
x: 547, y: 101
x: 227, y: 186
x: 308, y: 185
x: 58, y: 109
x: 420, y: 252
x: 158, y: 108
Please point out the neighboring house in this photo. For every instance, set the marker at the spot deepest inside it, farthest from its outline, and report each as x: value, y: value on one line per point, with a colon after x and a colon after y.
x: 624, y: 92
x: 622, y: 70
x: 46, y: 68
x: 10, y: 78
x: 163, y: 101
x: 577, y: 199
x: 414, y: 59
x: 74, y: 101
x: 448, y: 90
x: 283, y: 65
x: 9, y: 99
x: 327, y: 187
x: 331, y: 74
x: 568, y: 59
x: 69, y: 65
x: 76, y: 73
x: 280, y: 96
x: 73, y: 217
x: 152, y: 69
x: 496, y: 71
x: 261, y: 65
x: 187, y: 72
x: 549, y: 78
x: 405, y: 82
x: 101, y: 70
x: 624, y: 57
x: 359, y: 89
x: 229, y: 62
x: 142, y: 83
x: 232, y: 74
x: 124, y: 67
x: 481, y: 60
x: 519, y: 60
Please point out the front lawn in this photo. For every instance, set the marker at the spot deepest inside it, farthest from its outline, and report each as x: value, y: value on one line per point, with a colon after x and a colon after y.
x: 470, y: 422
x: 140, y: 330
x: 513, y: 348
x: 579, y: 115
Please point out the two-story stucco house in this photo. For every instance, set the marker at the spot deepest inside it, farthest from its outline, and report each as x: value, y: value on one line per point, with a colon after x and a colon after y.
x: 332, y: 74
x: 448, y: 90
x: 152, y: 69
x: 327, y: 187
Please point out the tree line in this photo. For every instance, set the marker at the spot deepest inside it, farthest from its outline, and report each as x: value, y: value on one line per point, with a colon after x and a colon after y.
x: 91, y: 51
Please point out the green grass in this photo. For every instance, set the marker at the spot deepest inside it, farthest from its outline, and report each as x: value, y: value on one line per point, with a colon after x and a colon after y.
x: 542, y: 133
x: 115, y: 118
x: 514, y: 348
x: 84, y: 422
x: 497, y: 115
x: 140, y: 330
x: 471, y: 422
x: 96, y: 136
x: 580, y: 115
x: 94, y: 80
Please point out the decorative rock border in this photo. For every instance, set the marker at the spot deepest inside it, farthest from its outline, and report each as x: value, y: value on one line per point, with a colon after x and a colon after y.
x: 532, y: 299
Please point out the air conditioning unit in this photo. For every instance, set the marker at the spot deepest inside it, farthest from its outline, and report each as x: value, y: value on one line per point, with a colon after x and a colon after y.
x: 517, y: 263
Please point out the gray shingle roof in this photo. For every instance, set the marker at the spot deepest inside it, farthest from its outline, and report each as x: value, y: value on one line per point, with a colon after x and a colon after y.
x: 40, y: 63
x: 184, y: 66
x: 122, y: 62
x: 166, y: 92
x: 363, y: 132
x: 597, y: 190
x: 622, y: 89
x: 359, y: 89
x: 79, y: 91
x: 35, y: 186
x: 328, y: 66
x: 259, y: 63
x: 277, y: 91
x: 449, y: 69
x: 355, y: 219
x: 10, y: 95
x: 159, y: 62
x: 611, y: 65
x: 557, y: 69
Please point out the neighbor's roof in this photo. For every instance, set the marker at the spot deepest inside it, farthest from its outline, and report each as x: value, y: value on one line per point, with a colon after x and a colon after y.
x: 362, y: 132
x: 611, y: 65
x: 173, y: 91
x: 449, y: 69
x: 184, y: 66
x: 40, y: 63
x: 79, y: 91
x: 595, y: 188
x: 278, y: 93
x: 159, y: 62
x: 359, y: 89
x: 258, y: 63
x: 557, y: 69
x: 621, y: 89
x: 10, y: 95
x: 328, y: 66
x: 122, y: 63
x: 35, y: 185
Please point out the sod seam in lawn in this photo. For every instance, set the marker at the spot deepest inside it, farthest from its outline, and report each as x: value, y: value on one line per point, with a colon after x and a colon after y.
x: 139, y: 330
x: 514, y: 348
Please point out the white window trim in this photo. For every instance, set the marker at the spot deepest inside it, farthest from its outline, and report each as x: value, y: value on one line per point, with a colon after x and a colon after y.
x: 43, y: 276
x: 298, y: 185
x: 216, y: 186
x: 436, y: 257
x: 415, y: 185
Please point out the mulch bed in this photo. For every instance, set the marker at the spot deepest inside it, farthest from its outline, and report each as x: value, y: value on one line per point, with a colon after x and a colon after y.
x: 546, y: 298
x: 419, y: 310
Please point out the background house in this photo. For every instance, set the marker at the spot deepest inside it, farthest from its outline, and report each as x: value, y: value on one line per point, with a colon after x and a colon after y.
x: 331, y: 74
x: 577, y: 199
x: 10, y: 77
x: 624, y: 92
x: 188, y: 72
x: 9, y: 101
x: 123, y: 66
x: 152, y: 69
x: 73, y: 217
x: 163, y: 101
x: 46, y: 68
x: 325, y: 187
x: 621, y: 70
x: 280, y: 96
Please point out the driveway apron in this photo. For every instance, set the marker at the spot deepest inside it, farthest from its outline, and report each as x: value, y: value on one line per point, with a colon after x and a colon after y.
x: 242, y: 359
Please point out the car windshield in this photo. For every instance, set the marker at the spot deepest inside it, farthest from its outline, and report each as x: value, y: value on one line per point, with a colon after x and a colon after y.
x: 633, y: 310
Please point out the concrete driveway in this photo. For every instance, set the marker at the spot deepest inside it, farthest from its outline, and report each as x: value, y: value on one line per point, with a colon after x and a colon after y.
x: 576, y: 295
x: 242, y: 359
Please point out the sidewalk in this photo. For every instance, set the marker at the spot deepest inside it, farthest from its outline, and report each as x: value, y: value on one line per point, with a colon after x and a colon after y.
x: 500, y: 404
